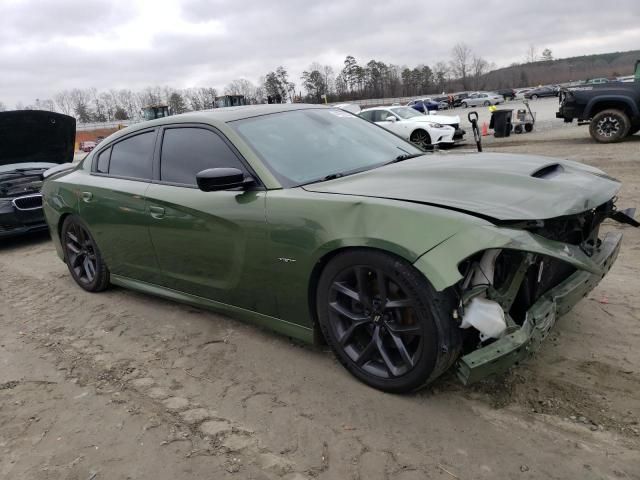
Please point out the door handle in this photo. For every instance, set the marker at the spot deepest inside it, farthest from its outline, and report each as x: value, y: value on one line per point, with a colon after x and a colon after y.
x: 87, y: 197
x: 156, y: 212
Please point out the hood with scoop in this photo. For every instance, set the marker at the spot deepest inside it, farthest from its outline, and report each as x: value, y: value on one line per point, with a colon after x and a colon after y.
x: 494, y: 186
x: 35, y: 137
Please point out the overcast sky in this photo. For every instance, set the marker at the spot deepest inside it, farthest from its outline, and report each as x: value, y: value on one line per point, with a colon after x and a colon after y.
x: 50, y: 45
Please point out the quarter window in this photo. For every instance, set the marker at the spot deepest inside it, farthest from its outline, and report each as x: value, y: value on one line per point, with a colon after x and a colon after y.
x: 102, y: 166
x: 133, y: 157
x: 189, y: 150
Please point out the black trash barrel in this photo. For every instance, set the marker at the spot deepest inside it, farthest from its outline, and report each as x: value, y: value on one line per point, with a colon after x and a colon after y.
x: 501, y: 122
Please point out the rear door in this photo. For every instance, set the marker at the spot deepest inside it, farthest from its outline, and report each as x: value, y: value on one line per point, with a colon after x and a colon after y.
x: 113, y: 205
x: 209, y: 244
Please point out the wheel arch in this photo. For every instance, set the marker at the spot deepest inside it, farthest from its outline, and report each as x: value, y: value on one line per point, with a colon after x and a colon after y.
x: 316, y: 272
x: 58, y: 232
x: 420, y: 129
x: 598, y: 104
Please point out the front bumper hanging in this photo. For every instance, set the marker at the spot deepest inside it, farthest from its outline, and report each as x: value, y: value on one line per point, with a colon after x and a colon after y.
x: 515, y: 347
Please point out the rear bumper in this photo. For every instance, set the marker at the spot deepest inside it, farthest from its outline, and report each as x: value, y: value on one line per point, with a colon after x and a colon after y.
x: 500, y: 355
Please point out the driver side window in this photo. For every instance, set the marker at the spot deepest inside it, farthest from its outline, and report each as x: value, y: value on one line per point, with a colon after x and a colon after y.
x: 186, y: 151
x: 381, y: 115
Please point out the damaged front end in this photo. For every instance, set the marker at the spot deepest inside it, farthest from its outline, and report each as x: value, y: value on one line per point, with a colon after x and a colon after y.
x: 511, y: 296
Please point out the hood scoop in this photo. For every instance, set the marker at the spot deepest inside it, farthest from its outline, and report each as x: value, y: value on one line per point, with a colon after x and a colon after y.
x: 548, y: 171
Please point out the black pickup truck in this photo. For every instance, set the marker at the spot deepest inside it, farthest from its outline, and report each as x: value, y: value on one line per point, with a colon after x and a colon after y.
x: 612, y: 109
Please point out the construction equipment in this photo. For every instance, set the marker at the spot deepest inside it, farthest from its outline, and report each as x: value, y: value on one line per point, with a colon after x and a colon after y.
x: 151, y: 112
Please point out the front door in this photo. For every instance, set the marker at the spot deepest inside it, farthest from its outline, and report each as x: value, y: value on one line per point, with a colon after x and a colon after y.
x: 113, y: 205
x: 209, y: 244
x: 384, y: 119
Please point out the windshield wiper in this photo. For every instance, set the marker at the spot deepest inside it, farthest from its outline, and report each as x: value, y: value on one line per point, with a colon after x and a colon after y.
x: 333, y: 176
x: 405, y: 156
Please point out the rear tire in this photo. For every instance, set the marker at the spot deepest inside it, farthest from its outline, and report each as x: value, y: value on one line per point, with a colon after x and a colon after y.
x: 82, y: 255
x: 464, y: 104
x: 534, y: 97
x: 487, y: 103
x: 609, y: 126
x: 385, y: 322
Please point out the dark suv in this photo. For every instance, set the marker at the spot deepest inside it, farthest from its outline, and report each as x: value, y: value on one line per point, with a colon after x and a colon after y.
x: 612, y: 109
x: 31, y: 141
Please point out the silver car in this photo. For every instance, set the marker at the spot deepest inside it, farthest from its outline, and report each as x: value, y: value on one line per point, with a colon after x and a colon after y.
x: 482, y: 99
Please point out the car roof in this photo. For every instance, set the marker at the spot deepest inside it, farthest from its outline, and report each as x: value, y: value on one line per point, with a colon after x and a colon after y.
x: 218, y: 116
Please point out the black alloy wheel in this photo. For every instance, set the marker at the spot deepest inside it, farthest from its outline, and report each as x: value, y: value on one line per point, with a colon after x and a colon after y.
x: 421, y: 138
x: 374, y: 322
x: 383, y: 322
x: 609, y: 126
x: 82, y: 256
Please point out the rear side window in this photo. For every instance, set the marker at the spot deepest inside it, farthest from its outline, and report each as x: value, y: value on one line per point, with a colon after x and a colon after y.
x: 133, y: 157
x: 189, y: 150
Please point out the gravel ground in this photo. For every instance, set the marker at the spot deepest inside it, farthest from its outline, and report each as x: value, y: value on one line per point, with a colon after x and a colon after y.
x: 121, y: 385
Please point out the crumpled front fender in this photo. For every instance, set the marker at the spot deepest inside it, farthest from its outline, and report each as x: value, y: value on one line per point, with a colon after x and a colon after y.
x: 440, y: 264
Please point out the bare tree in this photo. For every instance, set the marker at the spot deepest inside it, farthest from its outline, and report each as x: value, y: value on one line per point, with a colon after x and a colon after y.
x: 532, y: 54
x: 440, y: 74
x: 129, y: 103
x: 479, y: 66
x: 3, y: 107
x: 461, y: 62
x: 241, y: 86
x: 63, y: 102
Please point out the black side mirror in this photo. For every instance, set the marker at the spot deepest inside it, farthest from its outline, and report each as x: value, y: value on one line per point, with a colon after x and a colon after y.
x: 214, y: 179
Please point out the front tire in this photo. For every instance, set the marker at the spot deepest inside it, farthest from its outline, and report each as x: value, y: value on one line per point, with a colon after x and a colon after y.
x: 82, y: 255
x: 385, y: 322
x: 421, y: 138
x: 534, y: 97
x: 609, y: 126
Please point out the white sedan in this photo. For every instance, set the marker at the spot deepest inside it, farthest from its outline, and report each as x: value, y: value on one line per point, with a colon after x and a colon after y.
x: 411, y: 125
x: 482, y: 99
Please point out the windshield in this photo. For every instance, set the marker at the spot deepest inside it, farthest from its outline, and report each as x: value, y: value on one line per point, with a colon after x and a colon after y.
x: 406, y: 112
x: 304, y: 146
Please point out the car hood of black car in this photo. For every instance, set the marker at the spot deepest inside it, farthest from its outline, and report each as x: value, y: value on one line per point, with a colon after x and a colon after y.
x: 35, y: 136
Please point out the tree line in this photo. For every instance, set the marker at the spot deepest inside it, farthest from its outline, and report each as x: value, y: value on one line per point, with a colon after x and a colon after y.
x: 464, y: 70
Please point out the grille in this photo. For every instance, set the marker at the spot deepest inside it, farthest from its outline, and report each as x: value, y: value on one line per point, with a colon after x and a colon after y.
x: 30, y: 202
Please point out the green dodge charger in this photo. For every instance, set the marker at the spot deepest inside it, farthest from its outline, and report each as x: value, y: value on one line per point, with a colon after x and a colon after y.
x: 325, y: 227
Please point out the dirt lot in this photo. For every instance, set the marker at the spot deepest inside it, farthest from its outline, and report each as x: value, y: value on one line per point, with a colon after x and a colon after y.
x: 125, y: 386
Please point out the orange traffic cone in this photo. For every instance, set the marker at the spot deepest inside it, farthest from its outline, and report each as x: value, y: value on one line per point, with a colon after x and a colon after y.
x: 485, y: 129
